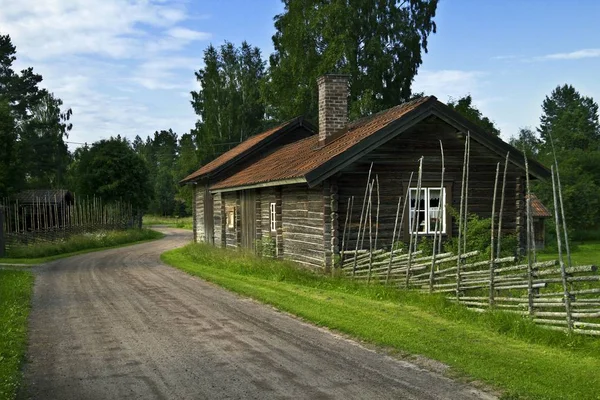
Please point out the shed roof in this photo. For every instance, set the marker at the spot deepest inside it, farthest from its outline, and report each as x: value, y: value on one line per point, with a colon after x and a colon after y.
x: 538, y: 209
x: 248, y: 146
x: 44, y: 195
x: 310, y: 161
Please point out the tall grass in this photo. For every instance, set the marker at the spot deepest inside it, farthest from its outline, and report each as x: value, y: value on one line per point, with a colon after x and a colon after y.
x: 81, y: 242
x: 504, y: 350
x: 15, y: 296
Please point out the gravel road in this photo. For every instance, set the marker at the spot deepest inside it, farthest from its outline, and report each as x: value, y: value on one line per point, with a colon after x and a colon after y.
x: 118, y: 324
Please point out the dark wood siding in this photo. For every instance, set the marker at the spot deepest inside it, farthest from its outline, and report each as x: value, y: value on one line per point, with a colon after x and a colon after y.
x: 218, y: 220
x: 303, y: 225
x: 248, y: 218
x: 231, y: 233
x: 208, y: 217
x: 393, y: 163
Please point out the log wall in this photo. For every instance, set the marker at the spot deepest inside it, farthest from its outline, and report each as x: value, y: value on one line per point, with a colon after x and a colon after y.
x: 219, y: 220
x: 303, y: 221
x: 232, y: 235
x: 199, y: 213
x: 394, y: 161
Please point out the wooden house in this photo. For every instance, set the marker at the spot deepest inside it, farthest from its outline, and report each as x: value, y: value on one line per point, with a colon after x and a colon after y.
x: 291, y: 185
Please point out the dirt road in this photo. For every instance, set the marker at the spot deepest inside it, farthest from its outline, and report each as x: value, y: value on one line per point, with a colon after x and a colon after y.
x: 118, y: 324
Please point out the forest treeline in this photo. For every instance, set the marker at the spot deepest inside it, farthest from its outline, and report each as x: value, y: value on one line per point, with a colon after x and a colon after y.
x: 241, y: 93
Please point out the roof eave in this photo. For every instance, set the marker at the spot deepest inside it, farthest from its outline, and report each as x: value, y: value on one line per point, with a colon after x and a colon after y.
x: 292, y: 124
x: 280, y: 182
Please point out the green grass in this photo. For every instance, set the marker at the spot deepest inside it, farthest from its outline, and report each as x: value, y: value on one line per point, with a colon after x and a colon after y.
x: 586, y: 253
x: 174, y: 222
x: 78, y: 244
x: 15, y: 296
x: 505, y: 351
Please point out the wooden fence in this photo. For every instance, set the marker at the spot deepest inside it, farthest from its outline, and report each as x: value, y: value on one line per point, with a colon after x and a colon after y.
x: 45, y: 219
x: 555, y: 294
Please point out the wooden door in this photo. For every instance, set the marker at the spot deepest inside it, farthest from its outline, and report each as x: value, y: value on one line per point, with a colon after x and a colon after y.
x: 248, y: 218
x: 209, y: 232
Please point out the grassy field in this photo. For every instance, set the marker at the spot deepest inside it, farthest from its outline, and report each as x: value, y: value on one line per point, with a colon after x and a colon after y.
x: 15, y: 296
x: 78, y: 244
x: 174, y: 222
x: 505, y: 351
x: 583, y: 254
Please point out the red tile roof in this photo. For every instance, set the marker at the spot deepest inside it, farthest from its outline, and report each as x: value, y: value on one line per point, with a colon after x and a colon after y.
x: 297, y: 159
x: 237, y: 151
x: 538, y: 210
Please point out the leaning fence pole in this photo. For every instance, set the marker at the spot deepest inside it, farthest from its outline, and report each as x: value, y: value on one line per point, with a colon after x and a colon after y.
x: 397, y: 227
x: 467, y: 192
x: 364, y: 228
x: 345, y: 227
x: 502, y: 196
x: 361, y: 221
x: 437, y: 224
x: 563, y: 272
x: 460, y: 222
x: 528, y: 220
x: 370, y: 207
x: 377, y: 215
x: 492, y: 263
x: 414, y: 226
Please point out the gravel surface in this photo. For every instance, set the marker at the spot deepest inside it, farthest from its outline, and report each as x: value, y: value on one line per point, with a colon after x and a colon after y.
x: 118, y: 324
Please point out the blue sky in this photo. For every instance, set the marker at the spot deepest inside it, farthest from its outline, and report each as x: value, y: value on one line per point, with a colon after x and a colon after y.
x: 127, y: 66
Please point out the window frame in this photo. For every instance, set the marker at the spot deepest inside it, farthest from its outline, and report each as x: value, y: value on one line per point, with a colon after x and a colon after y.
x: 231, y: 218
x: 429, y: 230
x: 273, y: 217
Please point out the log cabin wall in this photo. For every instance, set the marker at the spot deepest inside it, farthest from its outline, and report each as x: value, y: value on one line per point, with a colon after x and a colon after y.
x: 199, y: 190
x: 194, y: 211
x: 218, y: 216
x: 268, y: 196
x: 393, y: 163
x: 303, y: 232
x: 230, y: 206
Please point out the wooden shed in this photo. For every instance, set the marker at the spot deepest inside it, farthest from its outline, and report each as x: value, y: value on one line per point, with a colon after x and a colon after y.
x: 291, y: 185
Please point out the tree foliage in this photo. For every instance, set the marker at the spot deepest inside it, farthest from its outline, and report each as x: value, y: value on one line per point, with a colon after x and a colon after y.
x: 377, y: 42
x: 464, y: 106
x: 110, y: 169
x: 33, y: 129
x: 570, y: 120
x: 228, y: 104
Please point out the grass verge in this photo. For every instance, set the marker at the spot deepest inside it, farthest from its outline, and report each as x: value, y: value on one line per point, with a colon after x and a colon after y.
x: 505, y: 351
x: 173, y: 222
x: 585, y: 253
x: 78, y: 244
x: 15, y: 297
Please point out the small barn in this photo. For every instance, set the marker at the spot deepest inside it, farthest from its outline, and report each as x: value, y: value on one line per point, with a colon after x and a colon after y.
x: 539, y: 213
x: 43, y: 209
x: 291, y: 185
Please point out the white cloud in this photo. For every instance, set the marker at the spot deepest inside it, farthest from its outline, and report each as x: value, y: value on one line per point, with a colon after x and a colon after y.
x: 105, y: 59
x: 574, y: 55
x: 447, y: 83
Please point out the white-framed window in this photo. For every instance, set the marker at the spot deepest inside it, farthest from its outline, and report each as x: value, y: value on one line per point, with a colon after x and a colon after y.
x: 231, y: 219
x: 428, y: 210
x: 272, y: 216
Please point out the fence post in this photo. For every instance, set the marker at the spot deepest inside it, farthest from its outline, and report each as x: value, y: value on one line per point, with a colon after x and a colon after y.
x: 2, y: 242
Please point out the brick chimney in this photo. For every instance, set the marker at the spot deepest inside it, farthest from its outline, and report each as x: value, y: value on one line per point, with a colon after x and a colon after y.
x: 333, y: 105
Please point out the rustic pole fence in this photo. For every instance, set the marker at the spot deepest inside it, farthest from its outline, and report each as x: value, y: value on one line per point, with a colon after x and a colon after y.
x: 362, y: 212
x: 414, y: 226
x: 460, y: 220
x: 492, y: 261
x: 437, y: 249
x: 398, y: 228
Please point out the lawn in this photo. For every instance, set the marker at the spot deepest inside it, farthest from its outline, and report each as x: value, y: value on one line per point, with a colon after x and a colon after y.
x: 15, y: 296
x: 173, y: 222
x: 587, y: 253
x: 78, y: 244
x: 507, y: 352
